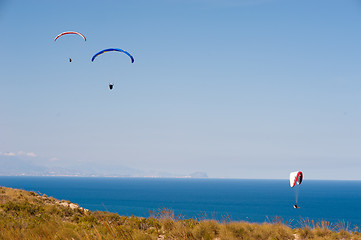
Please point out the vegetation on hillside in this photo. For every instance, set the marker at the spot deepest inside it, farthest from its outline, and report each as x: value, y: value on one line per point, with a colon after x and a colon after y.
x: 28, y: 215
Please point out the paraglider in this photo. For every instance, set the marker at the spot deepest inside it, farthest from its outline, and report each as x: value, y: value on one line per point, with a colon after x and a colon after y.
x: 295, y: 181
x: 70, y: 32
x: 112, y: 50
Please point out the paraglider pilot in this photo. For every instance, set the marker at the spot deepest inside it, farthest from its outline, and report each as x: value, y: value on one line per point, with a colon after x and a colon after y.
x: 111, y: 86
x: 296, y: 179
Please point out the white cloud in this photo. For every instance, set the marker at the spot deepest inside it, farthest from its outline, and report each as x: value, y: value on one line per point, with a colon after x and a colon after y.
x: 31, y: 154
x: 9, y: 154
x: 20, y: 153
x: 28, y: 154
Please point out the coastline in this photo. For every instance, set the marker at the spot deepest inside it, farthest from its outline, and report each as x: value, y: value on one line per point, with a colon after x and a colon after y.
x: 40, y: 216
x: 232, y: 199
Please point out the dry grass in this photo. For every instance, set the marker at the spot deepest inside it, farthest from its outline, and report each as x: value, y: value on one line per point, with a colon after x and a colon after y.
x: 28, y: 215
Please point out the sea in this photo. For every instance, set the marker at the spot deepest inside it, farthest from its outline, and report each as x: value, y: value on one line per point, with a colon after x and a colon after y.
x: 336, y: 202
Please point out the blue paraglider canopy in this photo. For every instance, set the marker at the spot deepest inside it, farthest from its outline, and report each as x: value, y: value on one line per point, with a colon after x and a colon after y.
x: 110, y: 50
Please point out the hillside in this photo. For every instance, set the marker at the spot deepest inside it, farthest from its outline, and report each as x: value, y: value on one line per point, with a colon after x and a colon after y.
x: 28, y: 215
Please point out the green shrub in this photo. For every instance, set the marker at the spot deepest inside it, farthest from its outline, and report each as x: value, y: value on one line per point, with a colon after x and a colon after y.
x: 305, y: 233
x: 207, y: 229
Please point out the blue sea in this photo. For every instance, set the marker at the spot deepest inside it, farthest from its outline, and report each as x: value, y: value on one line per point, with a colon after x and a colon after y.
x: 221, y: 199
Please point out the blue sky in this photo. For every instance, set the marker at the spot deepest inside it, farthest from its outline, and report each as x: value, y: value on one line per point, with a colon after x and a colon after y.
x: 236, y: 88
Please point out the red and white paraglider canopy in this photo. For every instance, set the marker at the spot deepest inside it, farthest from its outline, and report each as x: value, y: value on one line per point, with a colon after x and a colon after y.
x: 70, y: 32
x: 296, y: 177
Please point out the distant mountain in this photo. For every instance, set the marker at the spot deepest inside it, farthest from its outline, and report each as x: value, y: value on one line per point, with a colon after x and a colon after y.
x: 198, y: 175
x: 12, y: 165
x: 17, y: 166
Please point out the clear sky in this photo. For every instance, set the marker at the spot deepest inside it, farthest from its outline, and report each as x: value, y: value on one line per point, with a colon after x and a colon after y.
x: 234, y: 88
